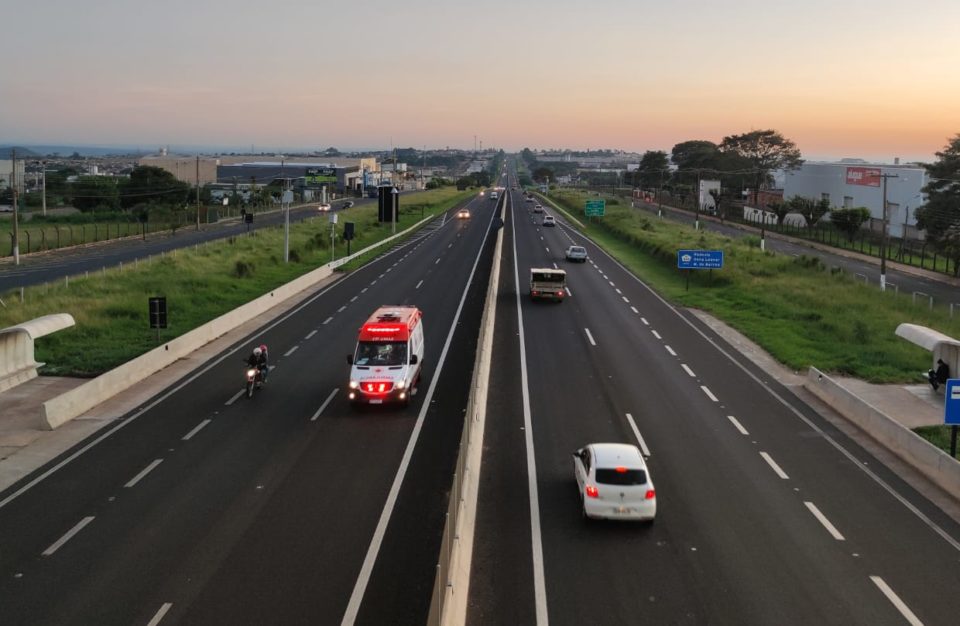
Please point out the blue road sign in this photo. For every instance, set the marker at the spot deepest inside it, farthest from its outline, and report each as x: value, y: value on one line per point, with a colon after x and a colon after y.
x: 951, y: 404
x: 699, y: 259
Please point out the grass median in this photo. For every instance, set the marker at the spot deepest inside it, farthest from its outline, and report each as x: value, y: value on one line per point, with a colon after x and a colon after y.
x: 200, y: 284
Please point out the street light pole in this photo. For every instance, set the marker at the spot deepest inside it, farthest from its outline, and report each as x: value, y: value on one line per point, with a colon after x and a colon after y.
x: 198, y: 192
x: 883, y: 237
x: 394, y: 208
x: 286, y: 215
x: 16, y: 222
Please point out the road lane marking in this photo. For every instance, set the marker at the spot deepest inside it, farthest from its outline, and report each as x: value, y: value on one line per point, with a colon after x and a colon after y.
x: 449, y: 245
x: 569, y: 293
x: 353, y: 299
x: 709, y: 393
x: 738, y: 425
x: 823, y: 520
x: 625, y: 299
x: 196, y: 429
x: 324, y: 405
x: 380, y: 276
x: 670, y: 350
x: 611, y: 282
x: 687, y: 369
x: 160, y: 613
x: 363, y: 578
x: 291, y: 350
x: 636, y: 433
x: 618, y: 291
x: 548, y: 249
x: 634, y: 309
x: 437, y: 261
x: 555, y: 265
x: 645, y: 322
x: 342, y: 309
x: 590, y: 337
x: 656, y: 334
x: 418, y: 284
x: 896, y: 601
x: 364, y: 290
x: 235, y: 397
x: 67, y: 536
x: 774, y: 466
x: 143, y: 472
x: 372, y: 283
x: 328, y: 320
x: 311, y: 334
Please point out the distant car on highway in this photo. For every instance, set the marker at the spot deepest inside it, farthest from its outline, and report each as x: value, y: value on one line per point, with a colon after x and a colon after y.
x: 347, y: 204
x: 614, y: 482
x: 463, y: 214
x: 6, y: 208
x: 323, y: 208
x: 549, y: 220
x: 577, y: 254
x: 538, y: 208
x: 528, y: 199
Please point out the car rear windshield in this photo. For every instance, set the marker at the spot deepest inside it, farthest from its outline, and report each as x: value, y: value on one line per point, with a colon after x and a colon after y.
x: 548, y: 278
x: 616, y: 477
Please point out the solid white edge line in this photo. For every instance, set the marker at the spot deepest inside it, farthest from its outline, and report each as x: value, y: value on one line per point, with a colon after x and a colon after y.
x: 536, y: 538
x: 290, y: 351
x: 311, y: 334
x: 773, y: 465
x: 709, y: 393
x: 823, y: 520
x: 737, y: 425
x: 67, y: 536
x: 687, y: 369
x: 896, y: 601
x: 590, y: 337
x: 143, y: 472
x: 636, y: 433
x: 234, y: 398
x: 656, y: 334
x: 196, y: 429
x: 670, y: 350
x: 363, y: 578
x: 324, y: 405
x: 955, y: 544
x: 160, y: 613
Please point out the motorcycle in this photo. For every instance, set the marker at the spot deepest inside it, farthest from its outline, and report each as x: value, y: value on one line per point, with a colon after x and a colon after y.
x: 254, y: 380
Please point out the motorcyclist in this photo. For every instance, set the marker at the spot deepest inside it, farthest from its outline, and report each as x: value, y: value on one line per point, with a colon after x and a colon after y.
x: 258, y: 359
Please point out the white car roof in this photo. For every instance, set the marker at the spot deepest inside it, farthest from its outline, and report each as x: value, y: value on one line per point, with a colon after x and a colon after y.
x: 609, y: 455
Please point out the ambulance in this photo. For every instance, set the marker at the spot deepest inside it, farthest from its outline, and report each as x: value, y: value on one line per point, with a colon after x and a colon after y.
x: 386, y: 365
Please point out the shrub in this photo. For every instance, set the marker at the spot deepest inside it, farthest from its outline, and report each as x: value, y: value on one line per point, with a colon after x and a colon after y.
x: 243, y: 269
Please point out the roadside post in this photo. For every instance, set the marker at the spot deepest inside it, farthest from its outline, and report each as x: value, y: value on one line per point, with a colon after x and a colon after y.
x: 595, y: 208
x: 951, y: 412
x: 158, y: 314
x: 333, y: 235
x: 699, y: 260
x: 348, y: 234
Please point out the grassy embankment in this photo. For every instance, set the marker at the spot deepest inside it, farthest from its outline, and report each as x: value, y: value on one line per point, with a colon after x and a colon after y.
x: 797, y: 309
x: 200, y: 284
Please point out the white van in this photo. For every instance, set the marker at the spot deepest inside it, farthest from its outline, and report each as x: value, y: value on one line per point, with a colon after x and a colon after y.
x: 386, y: 364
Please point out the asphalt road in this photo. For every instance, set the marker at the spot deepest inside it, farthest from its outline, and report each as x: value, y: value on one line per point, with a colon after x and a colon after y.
x: 39, y: 268
x: 767, y: 514
x: 205, y: 507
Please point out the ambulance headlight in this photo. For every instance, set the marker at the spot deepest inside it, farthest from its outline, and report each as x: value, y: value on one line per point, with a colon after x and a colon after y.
x: 401, y: 384
x: 354, y: 384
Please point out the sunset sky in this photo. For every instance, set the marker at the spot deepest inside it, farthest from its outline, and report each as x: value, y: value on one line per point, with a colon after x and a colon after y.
x: 873, y: 79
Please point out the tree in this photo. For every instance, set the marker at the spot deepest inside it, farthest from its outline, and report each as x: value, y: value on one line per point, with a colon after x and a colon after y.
x: 765, y: 151
x: 95, y: 192
x: 942, y: 210
x: 949, y: 244
x: 695, y: 154
x: 780, y: 209
x: 849, y: 221
x: 653, y: 167
x: 717, y: 196
x: 543, y: 174
x: 811, y: 210
x: 154, y: 184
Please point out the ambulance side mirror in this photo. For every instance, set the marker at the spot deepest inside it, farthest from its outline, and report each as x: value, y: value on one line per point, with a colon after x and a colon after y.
x: 349, y: 359
x: 413, y: 359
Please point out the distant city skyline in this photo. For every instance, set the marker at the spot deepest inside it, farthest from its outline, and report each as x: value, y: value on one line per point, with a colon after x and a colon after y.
x: 873, y: 80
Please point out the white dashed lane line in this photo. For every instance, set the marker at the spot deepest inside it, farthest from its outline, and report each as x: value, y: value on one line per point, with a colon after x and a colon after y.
x: 709, y: 393
x: 364, y: 290
x: 645, y: 322
x: 234, y: 398
x: 656, y: 334
x: 737, y: 425
x: 195, y: 430
x: 324, y: 405
x: 437, y: 261
x: 67, y: 536
x: 290, y: 351
x: 328, y: 320
x: 418, y: 285
x: 625, y: 299
x: 773, y: 465
x: 687, y: 369
x: 896, y: 601
x: 342, y: 309
x: 143, y: 472
x: 670, y: 350
x: 569, y: 293
x: 634, y: 309
x: 823, y: 520
x: 354, y: 299
x: 590, y: 337
x: 311, y: 334
x: 160, y: 613
x: 636, y: 433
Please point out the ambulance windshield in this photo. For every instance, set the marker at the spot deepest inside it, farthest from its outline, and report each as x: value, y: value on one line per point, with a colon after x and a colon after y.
x: 381, y: 353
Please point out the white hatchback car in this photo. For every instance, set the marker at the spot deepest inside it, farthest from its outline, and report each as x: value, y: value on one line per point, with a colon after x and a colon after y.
x: 548, y: 220
x: 577, y: 254
x: 614, y: 482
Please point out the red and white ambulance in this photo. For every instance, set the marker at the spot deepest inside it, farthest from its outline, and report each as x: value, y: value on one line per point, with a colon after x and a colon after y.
x: 386, y: 365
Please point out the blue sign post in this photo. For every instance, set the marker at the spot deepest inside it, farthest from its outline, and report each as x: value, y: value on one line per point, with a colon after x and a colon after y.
x: 951, y: 411
x: 699, y: 260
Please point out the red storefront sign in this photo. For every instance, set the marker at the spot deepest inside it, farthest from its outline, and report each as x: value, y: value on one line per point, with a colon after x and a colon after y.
x: 866, y: 176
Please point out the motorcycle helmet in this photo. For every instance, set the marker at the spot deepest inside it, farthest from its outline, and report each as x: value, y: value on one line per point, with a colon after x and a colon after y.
x: 257, y: 352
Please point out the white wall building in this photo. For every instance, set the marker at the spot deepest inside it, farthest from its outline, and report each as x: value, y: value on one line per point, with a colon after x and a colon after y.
x: 859, y: 184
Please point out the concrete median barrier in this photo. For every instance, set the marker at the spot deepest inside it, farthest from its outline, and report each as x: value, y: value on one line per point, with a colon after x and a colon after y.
x: 934, y: 463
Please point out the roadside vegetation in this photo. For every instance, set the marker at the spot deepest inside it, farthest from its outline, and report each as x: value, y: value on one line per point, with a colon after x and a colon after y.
x: 200, y: 283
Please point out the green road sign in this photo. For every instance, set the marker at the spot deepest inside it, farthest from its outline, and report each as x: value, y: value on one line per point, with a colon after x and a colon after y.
x: 595, y: 208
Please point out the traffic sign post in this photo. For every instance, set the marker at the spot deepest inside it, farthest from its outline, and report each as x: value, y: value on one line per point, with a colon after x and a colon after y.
x: 699, y: 260
x: 951, y: 411
x: 158, y: 313
x: 595, y: 208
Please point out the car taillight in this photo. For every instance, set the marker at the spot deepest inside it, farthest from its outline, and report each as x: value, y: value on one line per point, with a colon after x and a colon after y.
x: 592, y: 491
x: 534, y: 293
x: 560, y: 293
x: 651, y: 494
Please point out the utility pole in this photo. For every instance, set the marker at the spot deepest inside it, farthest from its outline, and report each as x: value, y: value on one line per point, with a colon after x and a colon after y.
x: 16, y: 223
x: 660, y: 196
x: 883, y: 237
x: 696, y: 211
x: 198, y: 192
x: 286, y: 215
x: 43, y: 192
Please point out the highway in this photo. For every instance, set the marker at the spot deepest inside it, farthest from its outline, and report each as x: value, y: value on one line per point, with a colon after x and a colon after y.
x: 205, y: 507
x: 766, y: 513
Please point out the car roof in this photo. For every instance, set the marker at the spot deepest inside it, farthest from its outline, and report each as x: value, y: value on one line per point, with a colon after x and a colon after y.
x: 618, y: 455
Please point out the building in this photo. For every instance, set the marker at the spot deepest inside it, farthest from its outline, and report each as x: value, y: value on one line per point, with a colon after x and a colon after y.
x: 854, y: 183
x: 7, y: 176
